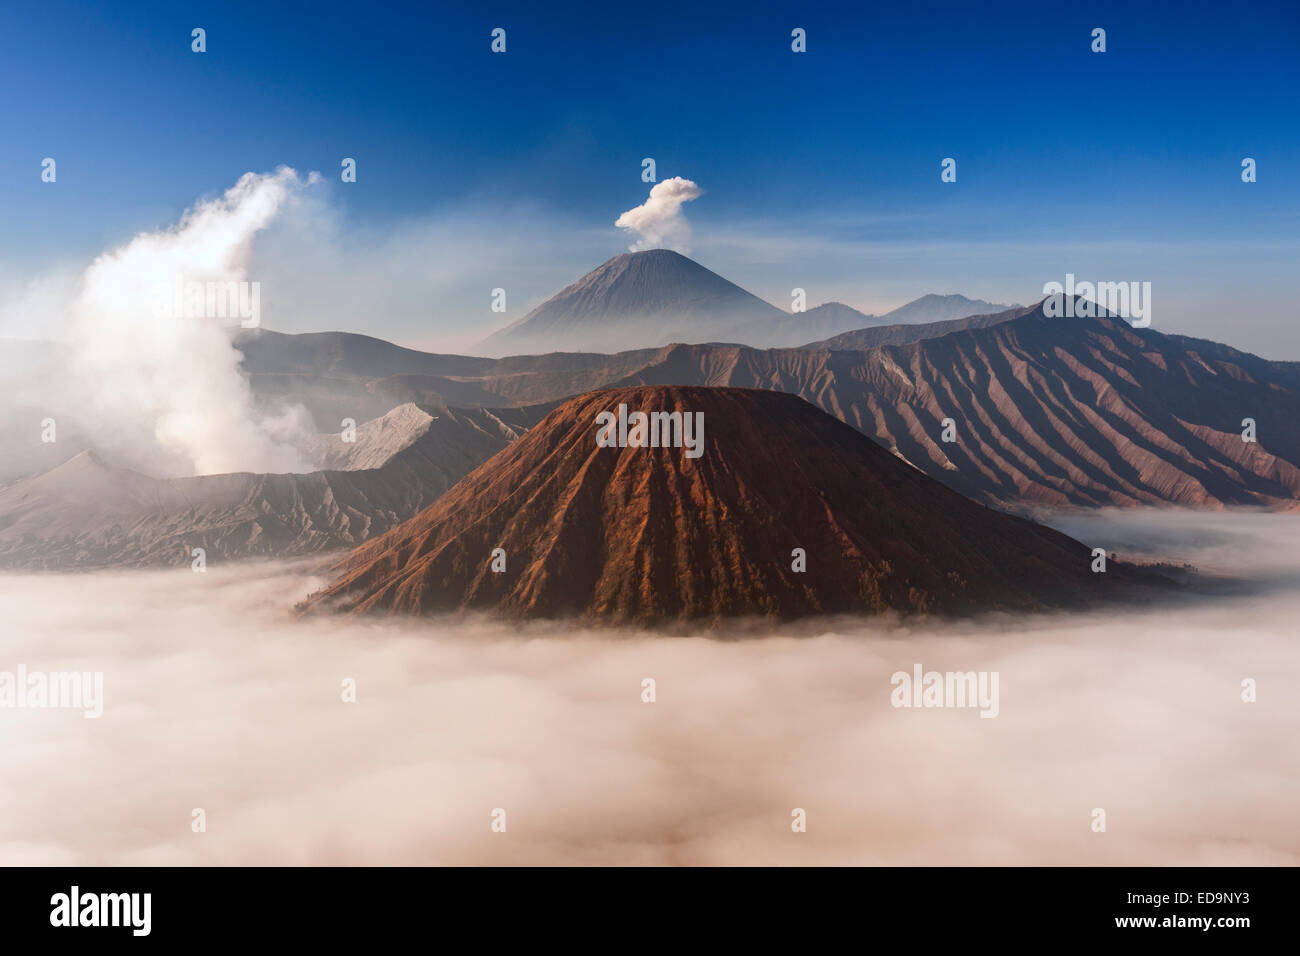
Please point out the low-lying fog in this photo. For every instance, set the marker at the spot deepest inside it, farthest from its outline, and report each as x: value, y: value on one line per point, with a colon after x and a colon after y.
x: 216, y: 697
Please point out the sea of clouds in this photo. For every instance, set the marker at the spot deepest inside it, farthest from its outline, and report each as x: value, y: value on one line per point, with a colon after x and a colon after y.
x: 217, y: 697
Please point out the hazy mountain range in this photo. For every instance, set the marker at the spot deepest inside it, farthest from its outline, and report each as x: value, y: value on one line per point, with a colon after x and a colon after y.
x: 1048, y: 410
x: 1043, y: 411
x: 658, y: 296
x: 86, y: 514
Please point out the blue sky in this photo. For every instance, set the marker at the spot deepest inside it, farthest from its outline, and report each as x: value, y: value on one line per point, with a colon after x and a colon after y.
x: 819, y: 169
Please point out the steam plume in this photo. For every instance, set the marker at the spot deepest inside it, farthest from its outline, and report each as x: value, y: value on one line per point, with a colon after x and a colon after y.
x: 170, y: 381
x: 659, y: 222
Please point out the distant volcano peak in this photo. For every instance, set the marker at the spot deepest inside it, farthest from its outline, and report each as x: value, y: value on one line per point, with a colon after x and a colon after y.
x: 654, y: 295
x: 650, y: 298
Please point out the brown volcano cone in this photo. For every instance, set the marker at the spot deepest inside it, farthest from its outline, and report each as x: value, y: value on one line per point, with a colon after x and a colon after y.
x: 642, y: 535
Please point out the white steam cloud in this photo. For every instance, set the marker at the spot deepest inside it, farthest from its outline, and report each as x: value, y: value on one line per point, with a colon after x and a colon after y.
x: 659, y: 223
x: 171, y: 381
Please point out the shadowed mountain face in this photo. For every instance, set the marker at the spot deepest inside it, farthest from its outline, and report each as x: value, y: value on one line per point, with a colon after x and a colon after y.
x: 1051, y: 411
x: 648, y: 534
x: 1044, y: 411
x: 86, y: 514
x: 1047, y: 411
x: 1068, y: 411
x: 341, y: 375
x: 338, y: 375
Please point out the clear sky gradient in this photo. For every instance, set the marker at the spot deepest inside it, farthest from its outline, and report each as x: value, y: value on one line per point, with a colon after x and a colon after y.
x: 819, y: 169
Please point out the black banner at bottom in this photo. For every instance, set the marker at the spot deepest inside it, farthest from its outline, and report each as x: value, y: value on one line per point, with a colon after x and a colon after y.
x: 332, y: 905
